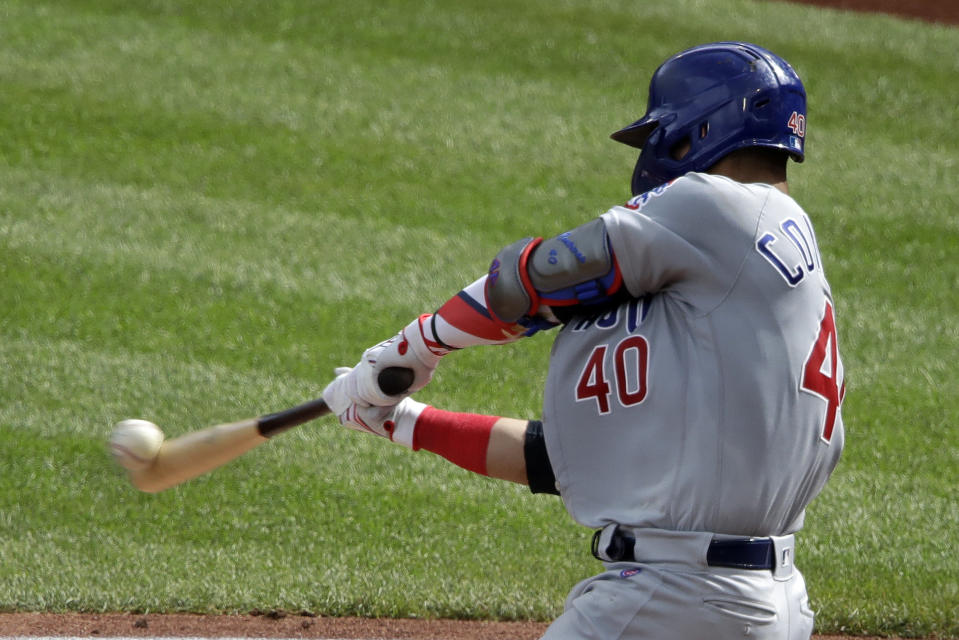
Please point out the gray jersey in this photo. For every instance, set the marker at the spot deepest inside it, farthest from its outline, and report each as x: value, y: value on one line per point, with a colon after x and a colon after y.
x: 712, y: 401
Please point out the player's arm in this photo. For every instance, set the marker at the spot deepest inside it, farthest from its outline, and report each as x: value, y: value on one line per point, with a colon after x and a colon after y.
x: 531, y: 285
x: 493, y: 446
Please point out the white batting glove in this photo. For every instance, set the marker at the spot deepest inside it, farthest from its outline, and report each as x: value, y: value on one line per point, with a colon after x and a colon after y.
x: 409, y: 349
x: 395, y: 423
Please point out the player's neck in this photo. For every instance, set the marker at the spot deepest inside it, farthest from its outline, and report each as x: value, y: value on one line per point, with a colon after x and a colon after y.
x: 751, y: 168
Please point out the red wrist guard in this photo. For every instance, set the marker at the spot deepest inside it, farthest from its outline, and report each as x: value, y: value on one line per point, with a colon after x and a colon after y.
x: 461, y: 438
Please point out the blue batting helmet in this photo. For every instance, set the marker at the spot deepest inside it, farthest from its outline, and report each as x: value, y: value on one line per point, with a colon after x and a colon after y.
x: 716, y: 98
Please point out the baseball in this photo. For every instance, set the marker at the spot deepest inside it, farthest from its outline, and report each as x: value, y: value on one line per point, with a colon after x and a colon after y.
x: 135, y: 443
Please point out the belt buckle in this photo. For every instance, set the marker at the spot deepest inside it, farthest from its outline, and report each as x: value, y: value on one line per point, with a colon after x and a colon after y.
x: 611, y: 544
x: 784, y: 551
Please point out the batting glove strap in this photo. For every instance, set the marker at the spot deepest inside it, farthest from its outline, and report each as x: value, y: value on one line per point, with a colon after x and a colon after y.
x: 404, y: 419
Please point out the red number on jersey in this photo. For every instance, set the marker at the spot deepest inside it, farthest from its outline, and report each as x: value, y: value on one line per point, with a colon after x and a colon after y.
x: 823, y: 375
x: 592, y: 382
x: 639, y: 347
x: 630, y: 364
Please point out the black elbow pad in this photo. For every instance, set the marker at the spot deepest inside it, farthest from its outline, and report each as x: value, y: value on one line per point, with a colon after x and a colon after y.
x: 539, y: 471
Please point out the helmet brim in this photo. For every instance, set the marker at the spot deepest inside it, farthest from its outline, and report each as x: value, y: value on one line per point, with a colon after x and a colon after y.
x: 637, y: 133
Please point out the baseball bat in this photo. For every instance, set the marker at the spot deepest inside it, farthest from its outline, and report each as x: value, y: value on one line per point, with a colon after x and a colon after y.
x: 193, y: 454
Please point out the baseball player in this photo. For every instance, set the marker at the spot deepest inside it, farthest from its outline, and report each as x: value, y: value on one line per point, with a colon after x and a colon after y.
x: 692, y: 404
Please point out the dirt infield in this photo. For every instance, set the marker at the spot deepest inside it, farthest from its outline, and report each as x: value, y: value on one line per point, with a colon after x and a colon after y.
x: 270, y: 625
x: 264, y: 626
x: 944, y: 11
x: 282, y: 625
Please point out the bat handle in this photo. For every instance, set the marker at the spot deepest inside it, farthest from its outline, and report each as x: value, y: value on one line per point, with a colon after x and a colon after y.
x: 392, y: 380
x: 275, y: 423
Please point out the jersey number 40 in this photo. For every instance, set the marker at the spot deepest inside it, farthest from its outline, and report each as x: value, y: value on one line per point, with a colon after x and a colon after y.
x: 822, y: 373
x: 630, y: 365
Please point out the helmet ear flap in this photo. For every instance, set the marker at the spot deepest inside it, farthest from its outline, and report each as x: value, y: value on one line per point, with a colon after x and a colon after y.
x: 680, y: 148
x: 684, y: 145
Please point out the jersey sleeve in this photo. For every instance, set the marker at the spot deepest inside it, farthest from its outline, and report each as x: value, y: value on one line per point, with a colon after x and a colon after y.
x: 465, y: 320
x: 677, y: 238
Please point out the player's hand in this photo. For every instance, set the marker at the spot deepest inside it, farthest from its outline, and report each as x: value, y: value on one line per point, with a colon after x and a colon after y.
x: 395, y: 422
x: 409, y: 349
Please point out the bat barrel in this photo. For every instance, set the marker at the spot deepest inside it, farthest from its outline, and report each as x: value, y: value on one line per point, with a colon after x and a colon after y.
x: 188, y: 456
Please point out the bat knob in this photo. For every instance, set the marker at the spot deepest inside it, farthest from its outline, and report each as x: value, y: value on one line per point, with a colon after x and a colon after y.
x: 395, y: 381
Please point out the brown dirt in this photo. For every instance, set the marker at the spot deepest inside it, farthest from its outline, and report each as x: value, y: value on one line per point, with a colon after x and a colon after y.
x: 265, y: 626
x: 277, y: 625
x: 944, y: 11
x: 271, y: 625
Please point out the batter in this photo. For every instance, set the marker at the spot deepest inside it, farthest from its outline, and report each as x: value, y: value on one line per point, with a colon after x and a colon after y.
x: 692, y: 408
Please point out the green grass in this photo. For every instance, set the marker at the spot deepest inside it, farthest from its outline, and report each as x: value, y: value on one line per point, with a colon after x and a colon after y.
x: 205, y: 207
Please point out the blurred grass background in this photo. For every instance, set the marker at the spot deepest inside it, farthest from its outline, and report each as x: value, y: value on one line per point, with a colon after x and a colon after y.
x: 205, y: 207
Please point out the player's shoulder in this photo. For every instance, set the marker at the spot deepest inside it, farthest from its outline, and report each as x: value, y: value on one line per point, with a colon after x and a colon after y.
x: 689, y: 187
x: 702, y: 194
x: 693, y: 194
x: 702, y: 208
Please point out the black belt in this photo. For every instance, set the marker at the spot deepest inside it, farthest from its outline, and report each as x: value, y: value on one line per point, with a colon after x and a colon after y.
x: 741, y: 553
